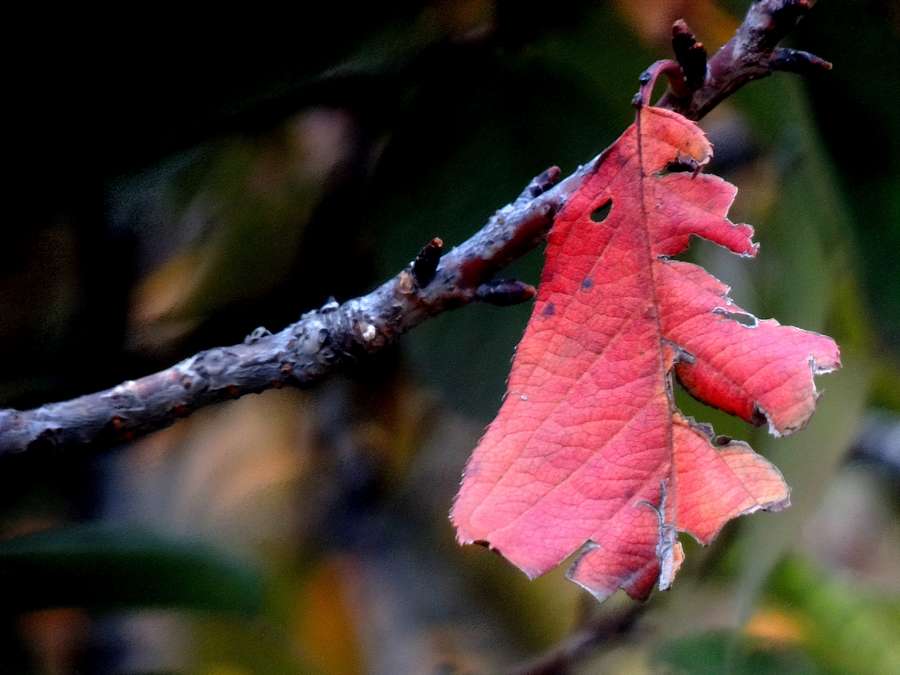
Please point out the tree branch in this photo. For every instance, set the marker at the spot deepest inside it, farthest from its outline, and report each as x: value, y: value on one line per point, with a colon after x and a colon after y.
x: 337, y: 334
x: 750, y: 55
x: 581, y: 644
x: 316, y: 345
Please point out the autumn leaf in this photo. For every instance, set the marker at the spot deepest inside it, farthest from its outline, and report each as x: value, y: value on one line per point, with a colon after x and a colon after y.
x: 589, y: 453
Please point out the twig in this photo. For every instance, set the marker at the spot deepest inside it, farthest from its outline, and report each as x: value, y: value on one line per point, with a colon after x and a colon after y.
x: 750, y: 55
x: 690, y: 54
x: 306, y: 351
x: 582, y: 643
x: 424, y: 267
x: 325, y: 339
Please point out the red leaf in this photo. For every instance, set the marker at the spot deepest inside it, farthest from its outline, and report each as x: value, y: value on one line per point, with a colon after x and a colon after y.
x: 588, y: 453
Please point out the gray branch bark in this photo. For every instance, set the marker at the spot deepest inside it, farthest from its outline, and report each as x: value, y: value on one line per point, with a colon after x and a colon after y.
x: 310, y: 349
x: 337, y: 334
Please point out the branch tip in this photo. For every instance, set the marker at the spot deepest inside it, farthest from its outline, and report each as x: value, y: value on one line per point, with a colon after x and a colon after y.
x: 425, y: 265
x: 749, y: 55
x: 540, y: 184
x: 798, y: 61
x: 504, y: 292
x: 690, y: 54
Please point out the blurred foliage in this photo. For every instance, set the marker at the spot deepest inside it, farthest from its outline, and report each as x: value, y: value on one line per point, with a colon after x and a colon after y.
x: 714, y: 653
x: 852, y: 631
x: 178, y: 187
x: 101, y: 567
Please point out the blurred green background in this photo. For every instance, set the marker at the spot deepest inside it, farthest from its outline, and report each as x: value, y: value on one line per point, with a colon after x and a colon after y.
x: 178, y: 181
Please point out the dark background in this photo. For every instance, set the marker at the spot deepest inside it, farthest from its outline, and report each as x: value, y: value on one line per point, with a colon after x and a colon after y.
x: 174, y: 181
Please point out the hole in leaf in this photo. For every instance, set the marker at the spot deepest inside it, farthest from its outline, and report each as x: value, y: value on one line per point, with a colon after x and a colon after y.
x: 742, y: 318
x: 599, y: 214
x: 681, y: 165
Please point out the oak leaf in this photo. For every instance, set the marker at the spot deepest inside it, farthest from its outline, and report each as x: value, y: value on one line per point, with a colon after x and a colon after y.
x: 589, y: 453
